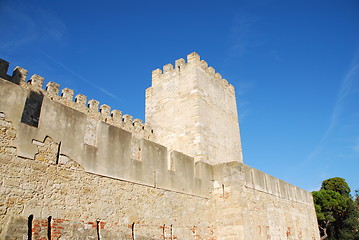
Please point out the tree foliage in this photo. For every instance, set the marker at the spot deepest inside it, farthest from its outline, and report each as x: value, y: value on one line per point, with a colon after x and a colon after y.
x: 337, y: 212
x: 337, y: 184
x: 329, y: 205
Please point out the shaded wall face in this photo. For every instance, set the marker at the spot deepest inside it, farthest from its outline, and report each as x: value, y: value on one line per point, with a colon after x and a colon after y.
x: 99, y: 147
x: 250, y: 204
x: 73, y: 204
x: 66, y: 201
x: 218, y: 119
x: 76, y: 176
x: 193, y: 110
x: 269, y: 217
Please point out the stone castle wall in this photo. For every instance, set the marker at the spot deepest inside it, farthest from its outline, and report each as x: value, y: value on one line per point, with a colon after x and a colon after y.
x: 193, y: 110
x: 71, y: 171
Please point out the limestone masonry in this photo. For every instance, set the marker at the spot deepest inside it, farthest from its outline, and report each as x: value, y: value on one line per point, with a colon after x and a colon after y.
x: 73, y: 169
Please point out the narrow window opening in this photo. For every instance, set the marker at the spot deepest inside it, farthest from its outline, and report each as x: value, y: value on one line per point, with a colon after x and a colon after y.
x: 223, y: 193
x: 133, y: 231
x: 32, y: 109
x: 49, y: 219
x: 171, y: 229
x: 139, y: 154
x: 29, y: 227
x: 154, y: 179
x: 164, y: 231
x: 98, y: 229
x: 58, y: 153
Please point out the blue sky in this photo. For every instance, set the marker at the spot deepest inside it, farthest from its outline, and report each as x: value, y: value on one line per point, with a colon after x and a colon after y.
x: 294, y: 64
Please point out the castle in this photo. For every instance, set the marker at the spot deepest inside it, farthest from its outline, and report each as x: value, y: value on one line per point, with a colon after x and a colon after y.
x: 71, y: 169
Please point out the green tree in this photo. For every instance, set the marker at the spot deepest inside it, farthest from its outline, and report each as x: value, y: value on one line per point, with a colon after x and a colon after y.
x: 329, y: 205
x: 337, y: 184
x: 350, y: 227
x: 337, y: 212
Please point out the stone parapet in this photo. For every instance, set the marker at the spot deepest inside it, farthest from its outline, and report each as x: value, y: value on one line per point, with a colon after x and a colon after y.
x: 72, y: 168
x: 102, y: 142
x: 192, y: 59
x: 91, y: 107
x: 201, y: 106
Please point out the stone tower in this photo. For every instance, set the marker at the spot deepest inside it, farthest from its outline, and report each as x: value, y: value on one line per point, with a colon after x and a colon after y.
x: 192, y: 109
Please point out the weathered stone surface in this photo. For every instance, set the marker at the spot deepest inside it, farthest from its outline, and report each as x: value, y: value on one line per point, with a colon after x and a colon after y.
x: 83, y: 174
x: 193, y: 111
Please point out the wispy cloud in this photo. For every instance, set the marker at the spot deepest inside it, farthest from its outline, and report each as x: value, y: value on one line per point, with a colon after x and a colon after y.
x: 242, y: 103
x: 356, y: 146
x: 239, y: 37
x: 106, y: 92
x: 23, y: 23
x: 240, y: 34
x: 346, y: 89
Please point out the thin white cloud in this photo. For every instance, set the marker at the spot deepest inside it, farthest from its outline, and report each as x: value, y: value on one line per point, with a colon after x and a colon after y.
x: 356, y: 146
x: 49, y: 25
x: 345, y: 90
x: 82, y: 78
x: 23, y: 23
x: 240, y: 34
x: 239, y: 40
x: 242, y: 103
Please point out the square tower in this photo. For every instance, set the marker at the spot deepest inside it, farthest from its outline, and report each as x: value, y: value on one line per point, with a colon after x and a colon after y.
x: 192, y: 109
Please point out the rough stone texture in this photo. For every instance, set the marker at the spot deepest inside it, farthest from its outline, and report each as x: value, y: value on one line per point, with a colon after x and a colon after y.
x: 194, y: 111
x: 76, y: 200
x: 82, y: 174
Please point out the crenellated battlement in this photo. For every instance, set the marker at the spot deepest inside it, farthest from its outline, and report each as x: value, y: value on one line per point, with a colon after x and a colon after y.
x: 202, y: 107
x: 193, y: 59
x: 79, y: 102
x: 73, y: 168
x: 41, y: 119
x: 110, y: 143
